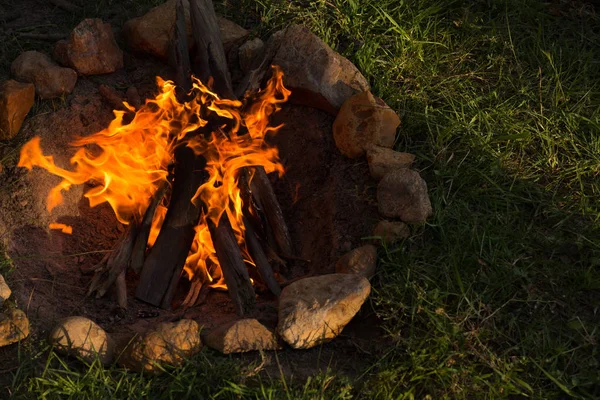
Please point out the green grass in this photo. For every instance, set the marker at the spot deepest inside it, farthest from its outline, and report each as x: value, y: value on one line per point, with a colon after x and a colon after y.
x: 499, y: 293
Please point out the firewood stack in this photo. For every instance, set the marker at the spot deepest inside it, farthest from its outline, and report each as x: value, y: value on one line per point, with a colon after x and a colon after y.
x: 266, y: 233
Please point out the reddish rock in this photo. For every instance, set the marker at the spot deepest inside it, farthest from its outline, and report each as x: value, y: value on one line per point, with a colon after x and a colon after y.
x: 50, y: 79
x: 314, y: 71
x: 91, y: 49
x: 361, y: 261
x: 241, y: 336
x: 16, y: 99
x: 151, y: 32
x: 403, y: 194
x: 383, y: 160
x: 364, y: 121
x: 315, y: 310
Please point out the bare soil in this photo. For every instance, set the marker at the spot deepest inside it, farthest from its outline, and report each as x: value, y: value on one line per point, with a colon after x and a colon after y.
x: 327, y: 200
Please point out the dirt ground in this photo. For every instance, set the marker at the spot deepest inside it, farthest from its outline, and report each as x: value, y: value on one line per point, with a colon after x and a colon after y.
x: 327, y: 200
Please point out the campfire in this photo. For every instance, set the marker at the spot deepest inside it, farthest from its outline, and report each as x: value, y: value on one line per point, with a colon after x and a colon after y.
x: 194, y: 177
x: 187, y: 173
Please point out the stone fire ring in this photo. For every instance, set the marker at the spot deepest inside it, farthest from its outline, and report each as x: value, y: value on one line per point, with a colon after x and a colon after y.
x: 310, y: 311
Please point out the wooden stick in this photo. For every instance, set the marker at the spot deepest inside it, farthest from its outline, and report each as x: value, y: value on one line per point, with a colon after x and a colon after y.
x: 253, y: 80
x: 121, y: 288
x: 117, y: 263
x: 141, y: 242
x: 232, y: 264
x: 113, y: 98
x: 260, y: 259
x: 133, y: 97
x: 262, y: 189
x: 193, y: 293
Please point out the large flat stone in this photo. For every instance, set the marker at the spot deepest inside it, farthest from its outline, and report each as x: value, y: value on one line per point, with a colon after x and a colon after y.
x: 315, y: 310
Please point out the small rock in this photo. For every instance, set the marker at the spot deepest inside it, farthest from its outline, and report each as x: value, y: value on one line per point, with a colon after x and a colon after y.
x: 91, y: 49
x: 5, y: 291
x: 383, y: 160
x: 391, y: 232
x: 249, y: 52
x: 361, y: 261
x: 402, y: 194
x: 310, y: 65
x: 50, y: 79
x: 83, y: 338
x: 241, y: 336
x: 364, y: 121
x: 151, y: 32
x: 169, y: 344
x: 315, y: 310
x: 16, y: 99
x: 14, y: 326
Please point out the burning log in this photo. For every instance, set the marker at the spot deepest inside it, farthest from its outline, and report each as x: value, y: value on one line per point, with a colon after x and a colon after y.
x: 163, y: 266
x: 265, y: 196
x: 233, y: 266
x: 260, y: 259
x: 139, y: 248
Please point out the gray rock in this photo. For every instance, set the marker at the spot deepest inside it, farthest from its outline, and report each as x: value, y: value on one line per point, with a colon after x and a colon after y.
x: 391, y: 232
x: 83, y: 338
x: 16, y: 99
x: 364, y: 121
x: 241, y: 336
x: 151, y: 32
x: 5, y: 291
x: 309, y: 65
x: 315, y: 310
x: 170, y: 344
x: 403, y: 194
x: 249, y: 52
x: 361, y: 261
x: 50, y: 79
x: 383, y: 160
x: 91, y: 49
x: 14, y: 326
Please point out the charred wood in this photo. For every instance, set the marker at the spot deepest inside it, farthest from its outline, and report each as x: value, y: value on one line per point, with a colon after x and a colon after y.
x: 232, y: 264
x: 260, y: 259
x: 162, y: 268
x: 263, y: 190
x: 116, y: 263
x: 209, y: 58
x: 141, y: 242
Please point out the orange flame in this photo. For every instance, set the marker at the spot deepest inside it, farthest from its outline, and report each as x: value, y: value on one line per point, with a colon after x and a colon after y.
x: 61, y: 227
x: 130, y: 160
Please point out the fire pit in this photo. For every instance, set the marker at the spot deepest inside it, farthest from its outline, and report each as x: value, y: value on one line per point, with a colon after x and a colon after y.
x: 216, y: 194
